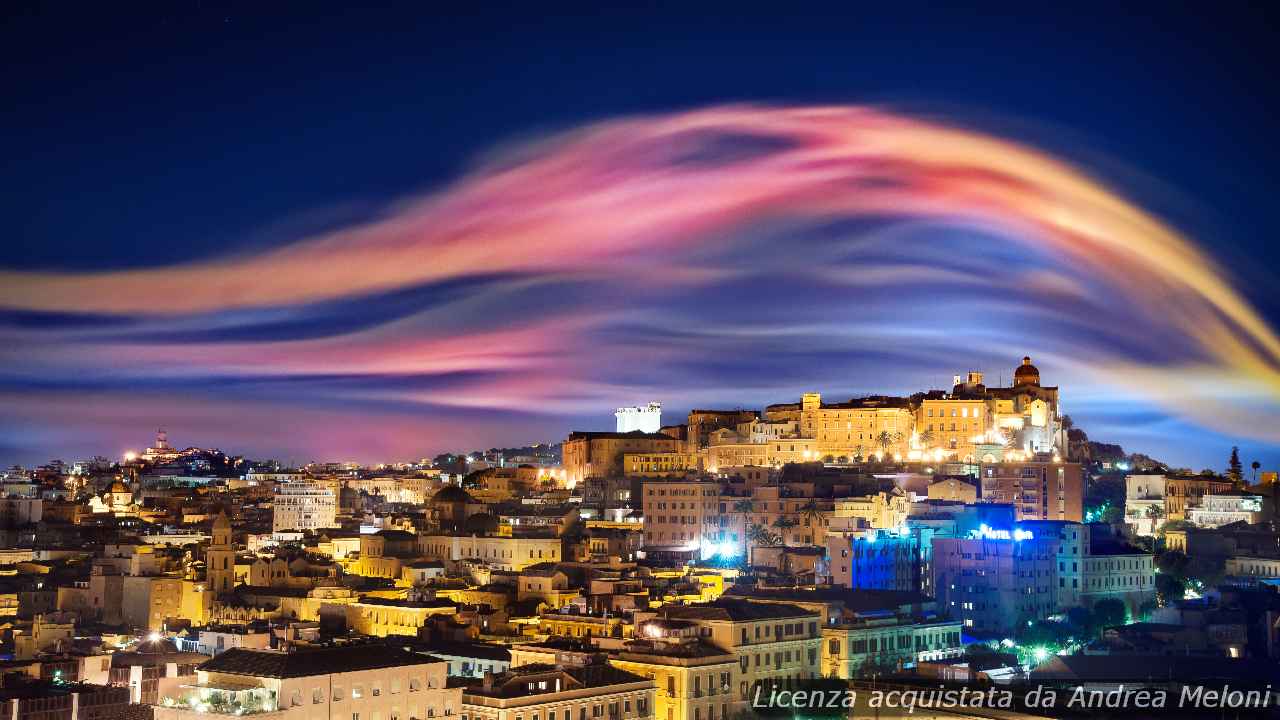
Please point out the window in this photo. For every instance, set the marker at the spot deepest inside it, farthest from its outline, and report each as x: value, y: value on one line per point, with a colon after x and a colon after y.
x: 357, y: 691
x: 317, y: 696
x: 338, y: 694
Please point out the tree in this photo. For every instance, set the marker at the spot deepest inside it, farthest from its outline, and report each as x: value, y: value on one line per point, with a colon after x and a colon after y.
x: 1255, y: 465
x: 760, y: 535
x: 1168, y: 589
x: 1110, y: 611
x: 926, y: 439
x: 1083, y: 622
x: 884, y: 440
x: 1234, y: 469
x: 810, y: 511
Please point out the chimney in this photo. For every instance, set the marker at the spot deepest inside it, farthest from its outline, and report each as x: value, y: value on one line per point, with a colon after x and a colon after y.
x: 488, y: 680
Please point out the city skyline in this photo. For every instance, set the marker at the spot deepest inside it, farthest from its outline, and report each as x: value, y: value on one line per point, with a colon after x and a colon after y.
x: 733, y: 238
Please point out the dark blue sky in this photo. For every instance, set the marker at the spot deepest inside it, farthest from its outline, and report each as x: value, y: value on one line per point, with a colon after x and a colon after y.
x: 150, y: 134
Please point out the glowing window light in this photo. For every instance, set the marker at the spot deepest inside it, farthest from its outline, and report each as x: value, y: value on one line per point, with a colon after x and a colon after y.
x: 986, y: 532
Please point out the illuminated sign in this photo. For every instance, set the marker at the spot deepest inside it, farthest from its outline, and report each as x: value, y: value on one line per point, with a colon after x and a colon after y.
x: 986, y: 532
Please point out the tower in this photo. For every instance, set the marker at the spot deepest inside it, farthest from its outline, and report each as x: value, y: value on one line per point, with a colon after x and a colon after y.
x: 220, y: 558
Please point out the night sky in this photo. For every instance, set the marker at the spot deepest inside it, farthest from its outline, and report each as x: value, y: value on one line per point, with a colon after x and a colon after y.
x: 316, y: 233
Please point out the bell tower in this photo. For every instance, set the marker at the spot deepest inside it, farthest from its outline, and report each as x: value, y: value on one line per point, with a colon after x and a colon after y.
x: 220, y: 558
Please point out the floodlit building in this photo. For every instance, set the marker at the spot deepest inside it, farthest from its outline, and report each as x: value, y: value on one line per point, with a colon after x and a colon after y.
x: 354, y: 681
x: 645, y: 418
x: 1037, y: 489
x: 996, y: 580
x: 303, y: 506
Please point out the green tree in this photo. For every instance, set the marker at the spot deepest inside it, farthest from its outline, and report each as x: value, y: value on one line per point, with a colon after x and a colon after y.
x: 1169, y: 589
x: 758, y: 534
x: 926, y: 439
x: 1110, y: 611
x: 1234, y: 470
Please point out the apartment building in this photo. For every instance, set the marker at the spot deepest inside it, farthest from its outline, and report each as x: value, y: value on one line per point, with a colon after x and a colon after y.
x: 585, y: 688
x: 695, y: 679
x: 771, y: 641
x: 1038, y: 490
x: 354, y: 681
x: 996, y: 580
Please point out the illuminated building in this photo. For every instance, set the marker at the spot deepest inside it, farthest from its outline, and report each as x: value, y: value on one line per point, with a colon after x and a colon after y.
x: 1038, y: 490
x: 695, y: 679
x: 882, y: 632
x: 352, y: 681
x: 574, y: 688
x: 877, y: 427
x: 161, y: 450
x: 500, y: 553
x: 679, y: 516
x: 303, y: 506
x: 1027, y: 411
x: 645, y: 418
x: 875, y: 559
x: 881, y: 510
x: 993, y: 582
x: 666, y: 464
x: 1224, y: 508
x: 1183, y: 492
x: 771, y: 641
x: 380, y: 617
x: 600, y: 454
x: 1144, y: 503
x: 704, y: 422
x: 731, y: 451
x: 954, y: 424
x: 954, y: 489
x: 220, y: 558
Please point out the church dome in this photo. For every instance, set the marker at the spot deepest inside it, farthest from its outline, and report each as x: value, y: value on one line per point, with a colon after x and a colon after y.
x: 1026, y: 374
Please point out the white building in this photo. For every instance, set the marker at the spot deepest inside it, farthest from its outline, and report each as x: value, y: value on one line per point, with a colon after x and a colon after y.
x: 303, y: 506
x: 645, y: 418
x: 1226, y: 508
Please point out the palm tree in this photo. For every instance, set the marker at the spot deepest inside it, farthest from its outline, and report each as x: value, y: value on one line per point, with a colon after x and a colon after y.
x: 884, y: 440
x: 1255, y: 465
x: 926, y: 439
x: 810, y: 512
x: 758, y: 534
x: 784, y: 524
x: 858, y: 453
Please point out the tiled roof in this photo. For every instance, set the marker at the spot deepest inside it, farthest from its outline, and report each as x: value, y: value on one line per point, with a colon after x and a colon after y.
x: 308, y: 662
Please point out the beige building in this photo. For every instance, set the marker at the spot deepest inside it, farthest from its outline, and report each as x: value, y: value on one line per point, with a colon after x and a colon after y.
x: 679, y: 515
x: 951, y: 427
x: 1038, y: 490
x: 882, y: 510
x: 303, y: 506
x: 600, y: 454
x: 667, y: 464
x: 575, y: 688
x: 502, y: 553
x: 863, y: 427
x: 695, y: 679
x: 354, y: 681
x: 771, y: 641
x: 953, y: 489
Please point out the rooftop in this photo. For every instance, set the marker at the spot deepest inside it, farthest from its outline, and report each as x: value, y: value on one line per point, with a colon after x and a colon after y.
x: 735, y: 610
x: 308, y: 662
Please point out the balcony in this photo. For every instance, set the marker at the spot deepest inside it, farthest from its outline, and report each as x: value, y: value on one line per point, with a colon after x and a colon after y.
x: 217, y: 700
